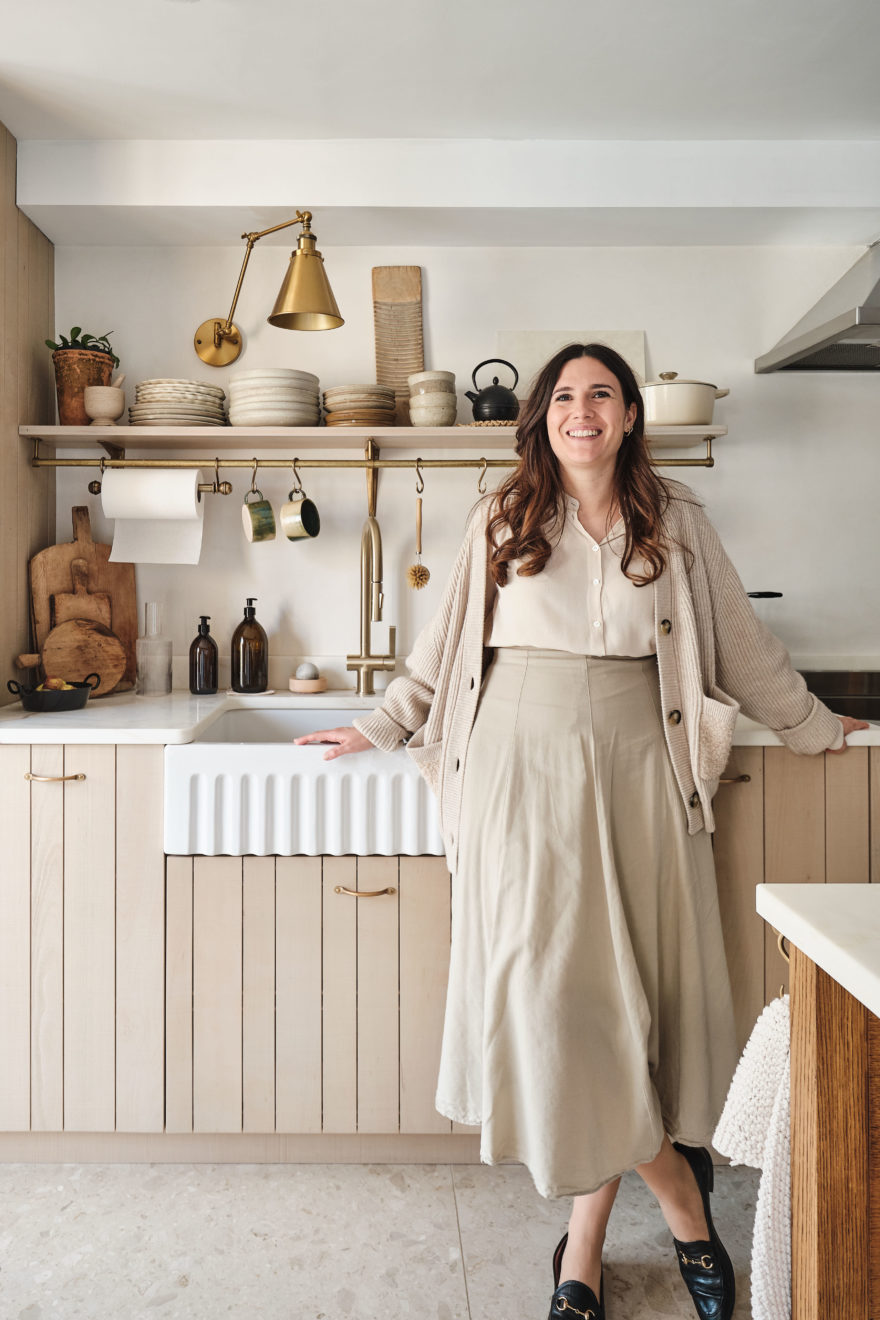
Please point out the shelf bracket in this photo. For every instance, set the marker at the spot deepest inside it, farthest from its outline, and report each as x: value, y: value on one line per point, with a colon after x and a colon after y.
x: 113, y: 450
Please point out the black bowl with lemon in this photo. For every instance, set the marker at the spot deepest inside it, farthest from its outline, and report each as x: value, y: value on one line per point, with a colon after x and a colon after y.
x: 55, y: 694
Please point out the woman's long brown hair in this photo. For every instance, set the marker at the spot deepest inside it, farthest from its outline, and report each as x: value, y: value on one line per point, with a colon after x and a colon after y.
x: 528, y: 501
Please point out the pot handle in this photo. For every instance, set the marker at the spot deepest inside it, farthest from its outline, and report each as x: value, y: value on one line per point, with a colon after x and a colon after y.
x: 14, y: 688
x: 97, y: 682
x: 721, y: 394
x: 503, y: 364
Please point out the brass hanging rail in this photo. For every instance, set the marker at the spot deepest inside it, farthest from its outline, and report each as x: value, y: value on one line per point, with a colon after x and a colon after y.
x: 362, y: 463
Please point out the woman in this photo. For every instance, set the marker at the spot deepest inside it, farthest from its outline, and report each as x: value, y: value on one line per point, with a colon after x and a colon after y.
x: 589, y: 1022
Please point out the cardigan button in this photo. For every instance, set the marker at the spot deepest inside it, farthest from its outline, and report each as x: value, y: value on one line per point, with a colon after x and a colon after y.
x: 472, y: 683
x: 695, y: 799
x: 674, y: 717
x: 665, y: 626
x: 457, y: 763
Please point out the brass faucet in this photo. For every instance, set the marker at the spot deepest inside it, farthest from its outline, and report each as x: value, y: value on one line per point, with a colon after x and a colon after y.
x: 371, y: 608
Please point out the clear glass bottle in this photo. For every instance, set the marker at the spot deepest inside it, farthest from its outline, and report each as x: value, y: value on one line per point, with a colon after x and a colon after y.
x: 153, y: 656
x: 203, y: 661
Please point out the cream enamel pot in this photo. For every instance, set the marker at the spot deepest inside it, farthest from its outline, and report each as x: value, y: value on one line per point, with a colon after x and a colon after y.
x: 673, y: 402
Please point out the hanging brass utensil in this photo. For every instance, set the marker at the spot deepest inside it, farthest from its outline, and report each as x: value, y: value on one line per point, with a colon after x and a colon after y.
x: 417, y: 575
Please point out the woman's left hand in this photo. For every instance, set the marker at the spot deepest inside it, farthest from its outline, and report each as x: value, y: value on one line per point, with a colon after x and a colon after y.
x: 849, y: 726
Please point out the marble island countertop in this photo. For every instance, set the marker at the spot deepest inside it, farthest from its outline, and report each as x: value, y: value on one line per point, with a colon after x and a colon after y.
x: 836, y: 925
x: 181, y: 717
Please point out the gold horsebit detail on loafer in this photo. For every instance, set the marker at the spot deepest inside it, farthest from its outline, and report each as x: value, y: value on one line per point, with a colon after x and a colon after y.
x: 563, y: 1304
x: 707, y: 1262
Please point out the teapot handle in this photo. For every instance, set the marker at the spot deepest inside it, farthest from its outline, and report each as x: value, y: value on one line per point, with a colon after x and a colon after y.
x: 503, y: 363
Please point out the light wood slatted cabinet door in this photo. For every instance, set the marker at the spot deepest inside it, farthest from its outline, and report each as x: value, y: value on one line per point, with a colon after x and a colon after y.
x: 81, y: 939
x: 303, y: 997
x: 798, y: 819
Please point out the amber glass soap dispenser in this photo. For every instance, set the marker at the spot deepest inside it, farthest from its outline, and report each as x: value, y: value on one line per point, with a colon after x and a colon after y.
x: 250, y: 653
x: 203, y: 661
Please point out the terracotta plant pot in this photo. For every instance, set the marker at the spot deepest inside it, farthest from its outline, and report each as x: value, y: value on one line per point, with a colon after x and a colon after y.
x: 75, y: 368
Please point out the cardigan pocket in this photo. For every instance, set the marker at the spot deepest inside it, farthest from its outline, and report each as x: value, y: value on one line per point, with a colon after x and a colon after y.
x: 428, y: 758
x: 715, y: 728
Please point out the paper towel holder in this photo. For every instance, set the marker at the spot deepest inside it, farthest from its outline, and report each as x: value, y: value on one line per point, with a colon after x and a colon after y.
x: 215, y: 487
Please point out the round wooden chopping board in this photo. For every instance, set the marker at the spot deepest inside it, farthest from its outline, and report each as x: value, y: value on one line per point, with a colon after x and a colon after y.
x: 83, y: 646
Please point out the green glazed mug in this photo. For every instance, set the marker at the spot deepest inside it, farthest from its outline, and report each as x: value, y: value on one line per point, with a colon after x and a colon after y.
x: 258, y: 519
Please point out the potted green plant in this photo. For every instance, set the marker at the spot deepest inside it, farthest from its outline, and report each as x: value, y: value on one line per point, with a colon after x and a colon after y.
x: 80, y: 359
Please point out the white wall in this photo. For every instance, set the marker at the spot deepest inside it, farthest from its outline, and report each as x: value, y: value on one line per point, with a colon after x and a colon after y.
x: 792, y: 494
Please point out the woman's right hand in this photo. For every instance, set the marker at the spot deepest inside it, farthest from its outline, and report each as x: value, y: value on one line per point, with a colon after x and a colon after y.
x: 348, y: 739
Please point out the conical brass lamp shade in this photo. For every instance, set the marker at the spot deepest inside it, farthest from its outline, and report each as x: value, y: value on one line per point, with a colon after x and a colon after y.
x: 305, y: 301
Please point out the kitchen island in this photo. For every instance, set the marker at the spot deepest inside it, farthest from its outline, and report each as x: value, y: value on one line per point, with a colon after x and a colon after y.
x: 834, y: 936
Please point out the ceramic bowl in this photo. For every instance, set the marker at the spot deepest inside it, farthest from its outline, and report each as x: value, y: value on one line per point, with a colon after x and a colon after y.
x: 420, y: 416
x: 445, y: 378
x: 428, y: 388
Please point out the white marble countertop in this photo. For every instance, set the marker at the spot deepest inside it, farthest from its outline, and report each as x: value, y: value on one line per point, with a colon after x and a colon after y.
x: 177, y: 718
x: 837, y: 926
x: 180, y: 717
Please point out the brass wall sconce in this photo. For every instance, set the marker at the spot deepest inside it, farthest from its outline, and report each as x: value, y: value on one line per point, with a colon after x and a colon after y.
x: 305, y: 300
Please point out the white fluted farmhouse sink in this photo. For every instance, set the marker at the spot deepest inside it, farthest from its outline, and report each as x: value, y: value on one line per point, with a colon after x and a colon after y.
x: 242, y: 787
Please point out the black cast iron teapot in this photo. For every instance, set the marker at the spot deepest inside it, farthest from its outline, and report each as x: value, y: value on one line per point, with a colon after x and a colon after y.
x: 494, y: 403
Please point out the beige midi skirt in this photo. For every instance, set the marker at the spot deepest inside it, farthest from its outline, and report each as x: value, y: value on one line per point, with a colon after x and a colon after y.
x: 589, y: 1006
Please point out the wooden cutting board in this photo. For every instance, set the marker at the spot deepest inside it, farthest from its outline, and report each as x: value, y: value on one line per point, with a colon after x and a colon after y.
x: 80, y: 603
x: 397, y: 325
x: 80, y: 647
x: 51, y: 574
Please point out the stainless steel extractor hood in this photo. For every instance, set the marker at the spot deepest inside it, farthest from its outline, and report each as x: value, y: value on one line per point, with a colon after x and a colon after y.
x: 842, y: 331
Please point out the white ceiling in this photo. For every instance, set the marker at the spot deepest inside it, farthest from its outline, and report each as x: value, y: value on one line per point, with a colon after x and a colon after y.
x: 267, y: 71
x: 464, y: 68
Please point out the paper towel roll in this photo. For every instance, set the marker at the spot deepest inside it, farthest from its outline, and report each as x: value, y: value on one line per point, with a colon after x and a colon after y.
x: 159, y: 516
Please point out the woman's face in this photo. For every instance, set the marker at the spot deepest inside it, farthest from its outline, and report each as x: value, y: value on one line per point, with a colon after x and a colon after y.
x: 587, y: 416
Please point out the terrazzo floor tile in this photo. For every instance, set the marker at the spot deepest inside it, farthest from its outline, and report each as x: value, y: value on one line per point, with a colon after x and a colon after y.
x: 508, y: 1234
x: 254, y: 1242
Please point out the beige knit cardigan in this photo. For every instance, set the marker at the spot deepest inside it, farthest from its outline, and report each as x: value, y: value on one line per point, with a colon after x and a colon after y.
x: 714, y: 657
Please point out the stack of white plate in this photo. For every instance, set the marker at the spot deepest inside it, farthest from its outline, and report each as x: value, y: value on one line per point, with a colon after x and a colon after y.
x: 164, y: 402
x: 360, y: 405
x: 274, y: 396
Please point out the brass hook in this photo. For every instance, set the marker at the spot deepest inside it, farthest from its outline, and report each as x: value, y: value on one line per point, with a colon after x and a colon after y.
x: 297, y: 481
x: 420, y: 481
x: 481, y: 479
x: 95, y: 486
x: 254, y: 479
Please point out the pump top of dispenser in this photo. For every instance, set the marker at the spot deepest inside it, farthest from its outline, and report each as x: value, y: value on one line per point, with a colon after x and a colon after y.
x: 249, y: 611
x: 204, y: 630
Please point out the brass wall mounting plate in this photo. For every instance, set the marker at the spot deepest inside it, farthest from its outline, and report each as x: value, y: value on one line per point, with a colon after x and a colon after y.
x: 217, y: 355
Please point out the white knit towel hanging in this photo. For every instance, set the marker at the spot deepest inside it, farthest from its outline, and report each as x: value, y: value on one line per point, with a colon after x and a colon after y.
x: 754, y: 1129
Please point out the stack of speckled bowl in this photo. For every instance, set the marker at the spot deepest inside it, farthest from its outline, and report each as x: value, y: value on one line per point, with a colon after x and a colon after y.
x: 274, y: 396
x: 432, y: 400
x: 359, y: 405
x: 163, y: 402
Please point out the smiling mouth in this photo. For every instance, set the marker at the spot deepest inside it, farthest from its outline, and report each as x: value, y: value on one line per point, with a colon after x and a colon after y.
x: 583, y: 433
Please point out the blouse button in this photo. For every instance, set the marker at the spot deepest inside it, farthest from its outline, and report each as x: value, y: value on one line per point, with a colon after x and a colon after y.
x: 674, y: 717
x: 597, y: 623
x: 665, y: 626
x: 597, y: 582
x: 595, y: 549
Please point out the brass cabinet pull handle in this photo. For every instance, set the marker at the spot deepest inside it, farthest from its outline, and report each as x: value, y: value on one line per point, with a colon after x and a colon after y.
x: 737, y: 779
x: 364, y: 893
x: 51, y: 779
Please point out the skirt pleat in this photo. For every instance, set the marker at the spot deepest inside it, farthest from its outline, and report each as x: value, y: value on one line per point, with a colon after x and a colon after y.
x: 589, y: 1006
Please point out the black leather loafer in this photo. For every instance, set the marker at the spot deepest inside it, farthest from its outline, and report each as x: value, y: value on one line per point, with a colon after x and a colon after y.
x: 705, y: 1265
x: 573, y: 1298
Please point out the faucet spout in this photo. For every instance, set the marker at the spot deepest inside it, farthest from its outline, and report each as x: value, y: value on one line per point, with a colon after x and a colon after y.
x: 372, y: 598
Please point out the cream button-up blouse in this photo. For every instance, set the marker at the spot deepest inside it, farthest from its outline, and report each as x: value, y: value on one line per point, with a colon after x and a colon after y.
x: 581, y: 602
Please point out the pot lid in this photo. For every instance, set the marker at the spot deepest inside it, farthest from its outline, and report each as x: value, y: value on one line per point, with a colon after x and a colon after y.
x: 672, y: 377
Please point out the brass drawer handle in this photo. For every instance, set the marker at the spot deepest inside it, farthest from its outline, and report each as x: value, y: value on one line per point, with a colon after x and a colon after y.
x: 50, y: 779
x: 364, y: 893
x: 737, y: 779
